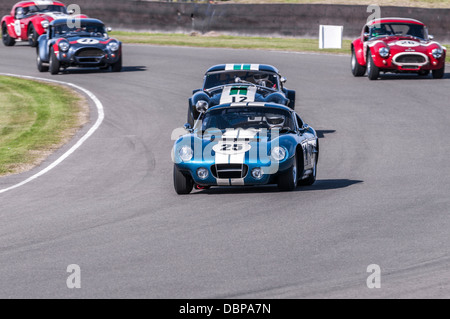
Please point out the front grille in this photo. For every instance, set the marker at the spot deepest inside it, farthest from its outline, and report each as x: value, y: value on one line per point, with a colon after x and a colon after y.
x: 229, y: 170
x: 90, y: 53
x: 410, y: 58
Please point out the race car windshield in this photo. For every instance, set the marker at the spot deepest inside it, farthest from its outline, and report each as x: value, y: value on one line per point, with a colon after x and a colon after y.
x: 47, y: 8
x: 248, y: 117
x: 265, y: 79
x: 84, y: 30
x: 399, y: 29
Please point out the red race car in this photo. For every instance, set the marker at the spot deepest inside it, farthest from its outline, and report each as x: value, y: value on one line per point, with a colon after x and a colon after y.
x: 399, y: 46
x: 28, y: 20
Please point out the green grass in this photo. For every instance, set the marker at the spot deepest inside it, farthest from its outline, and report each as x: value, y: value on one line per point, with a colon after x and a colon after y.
x: 35, y: 119
x: 235, y: 42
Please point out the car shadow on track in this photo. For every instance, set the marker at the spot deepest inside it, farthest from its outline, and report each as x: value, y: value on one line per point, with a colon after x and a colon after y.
x: 323, y: 184
x: 387, y: 77
x: 97, y: 70
x: 322, y: 133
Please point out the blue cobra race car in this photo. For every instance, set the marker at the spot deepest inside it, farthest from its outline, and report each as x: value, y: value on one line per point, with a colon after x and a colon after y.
x: 78, y: 43
x: 231, y: 83
x: 245, y: 144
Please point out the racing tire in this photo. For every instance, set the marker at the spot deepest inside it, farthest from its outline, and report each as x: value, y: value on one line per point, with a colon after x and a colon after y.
x: 439, y: 74
x: 357, y: 69
x: 290, y: 94
x: 373, y: 72
x: 117, y: 67
x: 54, y: 63
x: 183, y: 184
x: 32, y: 36
x: 6, y: 38
x: 190, y: 116
x: 287, y: 181
x: 312, y: 178
x: 40, y: 66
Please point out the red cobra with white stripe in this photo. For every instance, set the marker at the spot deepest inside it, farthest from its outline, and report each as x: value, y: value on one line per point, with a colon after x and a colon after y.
x: 397, y: 45
x: 28, y: 20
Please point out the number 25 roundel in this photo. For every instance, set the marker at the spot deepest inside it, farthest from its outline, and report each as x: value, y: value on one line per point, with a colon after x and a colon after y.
x: 227, y: 148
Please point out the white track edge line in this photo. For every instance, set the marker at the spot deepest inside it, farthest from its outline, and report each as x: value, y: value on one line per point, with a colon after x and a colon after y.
x: 101, y: 116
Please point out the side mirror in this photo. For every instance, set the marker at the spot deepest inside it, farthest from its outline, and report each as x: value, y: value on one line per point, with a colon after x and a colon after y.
x: 366, y: 35
x: 431, y: 37
x: 72, y: 11
x: 283, y: 80
x: 188, y: 127
x: 108, y: 29
x: 201, y: 106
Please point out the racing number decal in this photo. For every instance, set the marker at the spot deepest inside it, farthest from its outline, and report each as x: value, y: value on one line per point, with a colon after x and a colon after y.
x: 241, y: 99
x: 17, y: 28
x: 231, y: 147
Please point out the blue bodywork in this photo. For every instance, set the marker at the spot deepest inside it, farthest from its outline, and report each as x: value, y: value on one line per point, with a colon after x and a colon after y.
x: 84, y: 50
x: 302, y: 142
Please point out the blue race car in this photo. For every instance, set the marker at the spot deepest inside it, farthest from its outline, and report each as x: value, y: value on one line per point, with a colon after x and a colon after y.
x: 231, y: 83
x: 245, y: 144
x: 80, y: 43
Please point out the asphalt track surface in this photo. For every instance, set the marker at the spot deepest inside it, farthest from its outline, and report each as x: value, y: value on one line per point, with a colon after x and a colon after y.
x: 382, y: 195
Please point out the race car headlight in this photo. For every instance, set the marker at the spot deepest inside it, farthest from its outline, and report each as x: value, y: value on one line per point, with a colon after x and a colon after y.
x: 64, y: 46
x: 437, y: 53
x: 185, y: 153
x: 278, y: 153
x: 384, y: 52
x: 113, y: 46
x: 44, y: 24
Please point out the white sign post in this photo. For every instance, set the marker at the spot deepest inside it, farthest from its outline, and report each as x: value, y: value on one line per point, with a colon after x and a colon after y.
x: 330, y: 36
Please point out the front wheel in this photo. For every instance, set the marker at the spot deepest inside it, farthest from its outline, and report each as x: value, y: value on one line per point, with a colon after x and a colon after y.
x: 373, y: 71
x: 117, y: 67
x: 288, y: 180
x: 32, y: 36
x: 7, y: 40
x: 54, y: 63
x: 311, y: 179
x: 40, y: 66
x: 357, y: 69
x: 183, y: 184
x: 439, y: 74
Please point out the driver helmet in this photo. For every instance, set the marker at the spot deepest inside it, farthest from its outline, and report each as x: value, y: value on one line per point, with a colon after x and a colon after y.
x: 275, y: 120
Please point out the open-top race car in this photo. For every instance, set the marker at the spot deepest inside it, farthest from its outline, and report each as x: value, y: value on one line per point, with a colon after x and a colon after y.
x: 29, y: 19
x: 230, y: 83
x: 241, y: 144
x: 85, y: 43
x: 397, y: 45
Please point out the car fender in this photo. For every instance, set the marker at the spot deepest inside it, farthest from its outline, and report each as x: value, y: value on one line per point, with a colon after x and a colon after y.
x: 43, y: 48
x: 9, y: 21
x: 358, y: 48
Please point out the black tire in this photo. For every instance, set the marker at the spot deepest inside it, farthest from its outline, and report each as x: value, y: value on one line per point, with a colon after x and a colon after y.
x: 32, y: 36
x: 357, y: 69
x: 439, y: 74
x: 183, y: 184
x: 7, y: 40
x: 54, y: 63
x: 373, y: 72
x: 40, y: 66
x: 290, y: 94
x: 287, y: 181
x: 117, y: 67
x: 312, y: 178
x: 191, y: 116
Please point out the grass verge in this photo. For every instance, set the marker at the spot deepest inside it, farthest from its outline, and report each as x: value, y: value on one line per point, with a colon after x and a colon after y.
x: 235, y: 42
x: 36, y: 118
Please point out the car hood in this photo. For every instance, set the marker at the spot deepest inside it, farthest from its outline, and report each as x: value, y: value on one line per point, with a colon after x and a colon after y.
x: 402, y: 43
x: 50, y: 16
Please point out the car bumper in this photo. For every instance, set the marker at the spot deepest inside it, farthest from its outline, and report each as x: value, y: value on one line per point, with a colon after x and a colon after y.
x: 214, y: 180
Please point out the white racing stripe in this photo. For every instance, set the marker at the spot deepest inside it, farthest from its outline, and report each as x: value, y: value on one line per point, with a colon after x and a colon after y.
x: 233, y: 138
x: 101, y: 116
x: 241, y: 94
